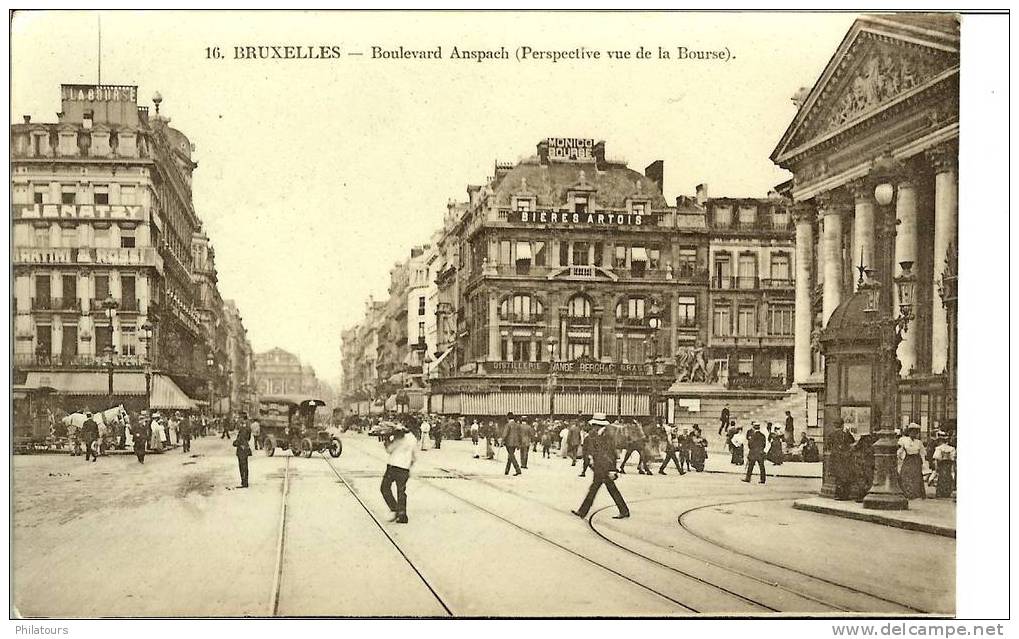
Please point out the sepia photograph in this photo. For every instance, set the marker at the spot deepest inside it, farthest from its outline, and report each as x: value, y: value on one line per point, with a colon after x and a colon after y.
x: 490, y: 314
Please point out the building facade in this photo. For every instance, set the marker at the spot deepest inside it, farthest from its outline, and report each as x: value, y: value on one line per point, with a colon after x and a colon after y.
x: 102, y: 225
x: 750, y: 293
x: 278, y: 372
x: 889, y: 94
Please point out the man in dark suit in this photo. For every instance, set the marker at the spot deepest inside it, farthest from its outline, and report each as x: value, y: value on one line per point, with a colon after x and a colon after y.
x: 756, y: 442
x: 527, y: 436
x: 90, y: 433
x: 599, y: 447
x: 243, y: 445
x: 512, y: 439
x: 725, y: 420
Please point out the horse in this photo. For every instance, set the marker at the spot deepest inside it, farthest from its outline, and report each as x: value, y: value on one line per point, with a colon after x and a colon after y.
x: 105, y: 421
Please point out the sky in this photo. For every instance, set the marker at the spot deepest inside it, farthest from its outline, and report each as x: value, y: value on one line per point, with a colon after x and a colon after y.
x: 316, y: 176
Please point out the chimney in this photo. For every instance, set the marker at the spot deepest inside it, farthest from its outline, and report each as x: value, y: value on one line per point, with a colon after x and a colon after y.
x: 472, y: 192
x: 702, y: 194
x: 543, y: 151
x: 599, y: 154
x: 656, y: 173
x: 27, y: 118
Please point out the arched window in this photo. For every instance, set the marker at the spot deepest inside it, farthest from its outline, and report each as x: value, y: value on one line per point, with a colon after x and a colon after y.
x: 631, y: 308
x: 578, y: 307
x: 521, y: 308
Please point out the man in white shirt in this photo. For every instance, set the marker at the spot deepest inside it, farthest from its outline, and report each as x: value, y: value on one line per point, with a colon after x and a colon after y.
x: 256, y: 431
x: 402, y: 448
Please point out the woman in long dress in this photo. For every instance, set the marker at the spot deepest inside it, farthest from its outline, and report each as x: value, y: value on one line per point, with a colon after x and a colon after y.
x: 911, y: 453
x: 698, y: 449
x: 426, y: 429
x: 736, y: 446
x: 775, y: 440
x: 944, y: 460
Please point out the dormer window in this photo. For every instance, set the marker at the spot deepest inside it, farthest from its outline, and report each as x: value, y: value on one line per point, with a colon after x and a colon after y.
x: 580, y: 204
x: 523, y: 205
x: 638, y: 208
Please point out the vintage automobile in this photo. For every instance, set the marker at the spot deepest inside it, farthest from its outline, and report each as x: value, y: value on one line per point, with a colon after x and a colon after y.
x: 288, y: 422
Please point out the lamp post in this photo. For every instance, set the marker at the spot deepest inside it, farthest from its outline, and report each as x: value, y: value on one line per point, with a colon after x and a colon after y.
x: 885, y: 492
x: 147, y: 337
x: 551, y: 342
x: 110, y: 307
x: 654, y: 322
x: 209, y: 363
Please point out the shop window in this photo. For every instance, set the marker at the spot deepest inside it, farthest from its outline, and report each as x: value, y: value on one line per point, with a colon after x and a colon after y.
x: 745, y: 365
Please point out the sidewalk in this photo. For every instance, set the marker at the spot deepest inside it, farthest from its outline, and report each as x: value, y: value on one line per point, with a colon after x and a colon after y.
x: 932, y: 516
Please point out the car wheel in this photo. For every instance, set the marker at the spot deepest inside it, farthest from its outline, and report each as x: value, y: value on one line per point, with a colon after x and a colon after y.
x: 335, y: 448
x: 307, y: 447
x: 269, y: 445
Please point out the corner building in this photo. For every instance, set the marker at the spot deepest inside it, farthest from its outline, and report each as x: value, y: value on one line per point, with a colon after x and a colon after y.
x: 567, y: 280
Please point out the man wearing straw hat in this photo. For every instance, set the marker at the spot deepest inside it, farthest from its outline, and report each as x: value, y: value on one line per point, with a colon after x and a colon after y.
x: 600, y: 448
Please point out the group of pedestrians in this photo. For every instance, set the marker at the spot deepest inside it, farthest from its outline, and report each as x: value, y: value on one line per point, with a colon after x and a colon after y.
x: 852, y: 463
x: 148, y: 431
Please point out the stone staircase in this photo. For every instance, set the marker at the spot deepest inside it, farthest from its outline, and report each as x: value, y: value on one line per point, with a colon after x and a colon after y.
x: 795, y: 402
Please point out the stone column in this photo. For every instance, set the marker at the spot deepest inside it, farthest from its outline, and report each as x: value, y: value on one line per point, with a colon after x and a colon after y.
x: 804, y: 218
x: 832, y: 206
x: 946, y: 223
x: 863, y: 226
x: 905, y: 250
x: 596, y: 339
x: 493, y: 329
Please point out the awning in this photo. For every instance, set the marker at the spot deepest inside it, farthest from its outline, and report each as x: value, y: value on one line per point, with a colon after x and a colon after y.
x: 167, y: 396
x: 638, y: 254
x: 88, y: 382
x: 523, y: 250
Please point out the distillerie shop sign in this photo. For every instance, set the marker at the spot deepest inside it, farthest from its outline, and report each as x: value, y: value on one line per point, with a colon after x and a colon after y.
x: 567, y: 218
x: 576, y: 367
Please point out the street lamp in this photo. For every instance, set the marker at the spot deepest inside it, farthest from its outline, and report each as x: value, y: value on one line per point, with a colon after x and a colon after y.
x: 552, y: 341
x: 209, y: 363
x: 654, y: 323
x: 147, y: 337
x: 110, y: 307
x: 885, y: 492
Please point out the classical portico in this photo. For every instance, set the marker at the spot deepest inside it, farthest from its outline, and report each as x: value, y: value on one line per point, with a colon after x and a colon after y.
x: 890, y: 89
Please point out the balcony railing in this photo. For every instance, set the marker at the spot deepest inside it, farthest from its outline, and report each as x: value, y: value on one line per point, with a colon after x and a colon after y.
x: 744, y: 282
x: 42, y: 303
x: 777, y: 224
x: 777, y: 283
x: 130, y: 304
x: 521, y: 318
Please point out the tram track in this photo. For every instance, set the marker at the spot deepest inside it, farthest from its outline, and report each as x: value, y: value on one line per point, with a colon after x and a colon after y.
x: 696, y: 576
x: 529, y: 532
x: 728, y: 548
